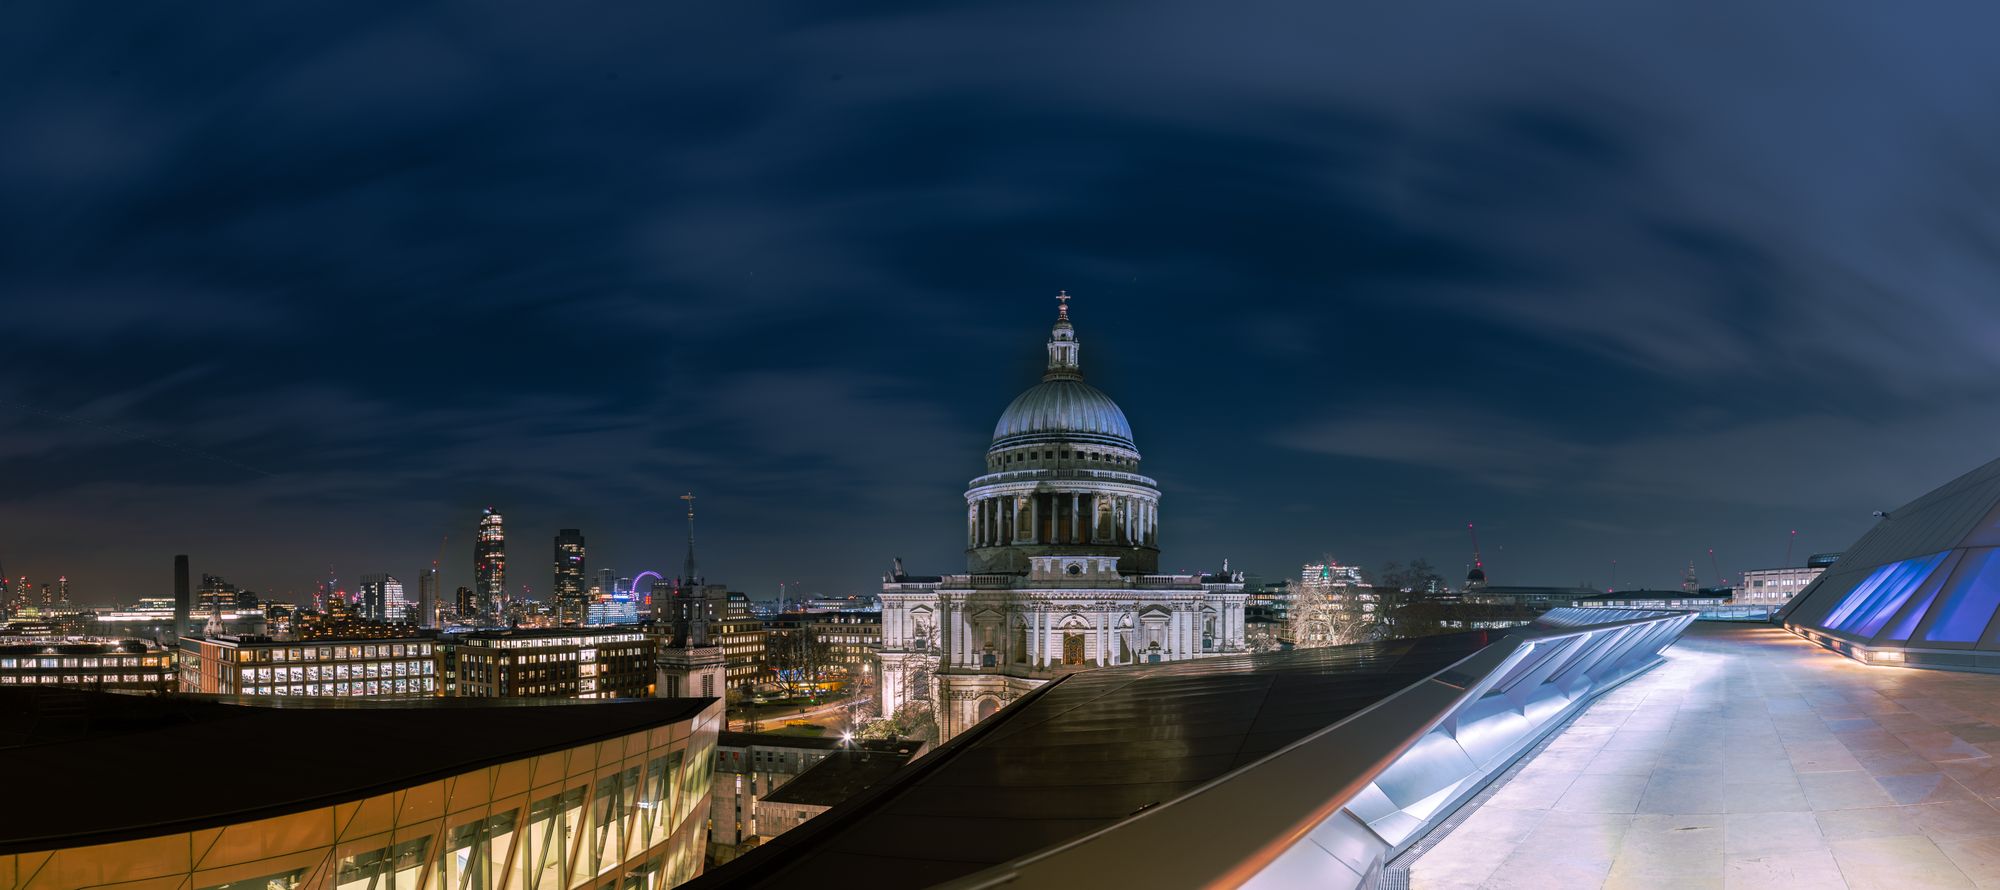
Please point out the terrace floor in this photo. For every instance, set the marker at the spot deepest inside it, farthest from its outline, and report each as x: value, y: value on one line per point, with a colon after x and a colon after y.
x: 1750, y: 758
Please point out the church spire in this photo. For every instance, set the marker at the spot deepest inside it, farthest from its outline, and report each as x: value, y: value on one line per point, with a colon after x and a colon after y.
x: 687, y: 569
x: 1062, y: 344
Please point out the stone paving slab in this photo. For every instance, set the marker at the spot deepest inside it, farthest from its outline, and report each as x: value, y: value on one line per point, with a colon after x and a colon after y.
x: 1750, y: 758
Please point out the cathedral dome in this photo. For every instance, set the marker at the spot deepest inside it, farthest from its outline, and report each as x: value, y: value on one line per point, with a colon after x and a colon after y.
x: 1063, y: 410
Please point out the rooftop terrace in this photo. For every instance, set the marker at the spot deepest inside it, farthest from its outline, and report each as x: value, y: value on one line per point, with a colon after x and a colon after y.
x: 1749, y: 758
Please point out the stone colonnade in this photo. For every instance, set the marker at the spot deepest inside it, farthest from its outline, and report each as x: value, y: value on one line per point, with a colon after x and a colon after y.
x: 1062, y: 518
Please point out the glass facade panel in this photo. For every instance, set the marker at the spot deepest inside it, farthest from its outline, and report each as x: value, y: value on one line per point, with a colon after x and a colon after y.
x: 608, y: 809
x: 1968, y: 601
x: 398, y: 867
x: 289, y: 880
x: 631, y: 814
x: 474, y: 852
x: 550, y: 841
x: 1877, y: 597
x: 602, y: 830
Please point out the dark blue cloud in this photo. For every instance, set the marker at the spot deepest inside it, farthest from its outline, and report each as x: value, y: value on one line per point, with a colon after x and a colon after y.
x: 294, y: 287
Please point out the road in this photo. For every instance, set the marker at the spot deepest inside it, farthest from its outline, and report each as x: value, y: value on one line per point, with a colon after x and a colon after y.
x: 817, y: 714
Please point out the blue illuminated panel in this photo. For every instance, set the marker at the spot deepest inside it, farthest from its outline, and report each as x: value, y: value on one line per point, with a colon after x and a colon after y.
x: 1969, y: 599
x: 1913, y: 617
x: 1877, y: 597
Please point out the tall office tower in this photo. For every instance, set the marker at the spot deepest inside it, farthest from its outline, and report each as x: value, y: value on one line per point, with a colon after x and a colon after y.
x: 382, y: 598
x: 62, y: 589
x: 395, y: 602
x: 7, y: 604
x: 427, y: 597
x: 48, y: 597
x: 606, y: 582
x: 183, y: 596
x: 464, y: 604
x: 489, y: 564
x: 569, y: 567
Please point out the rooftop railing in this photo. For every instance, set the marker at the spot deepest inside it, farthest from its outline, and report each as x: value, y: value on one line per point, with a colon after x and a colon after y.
x: 1333, y: 808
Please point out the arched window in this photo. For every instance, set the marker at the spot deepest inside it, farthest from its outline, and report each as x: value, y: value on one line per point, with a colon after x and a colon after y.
x: 1073, y: 648
x: 987, y: 706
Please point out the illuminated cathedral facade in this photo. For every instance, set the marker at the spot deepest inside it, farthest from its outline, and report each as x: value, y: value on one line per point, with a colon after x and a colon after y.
x: 1062, y: 554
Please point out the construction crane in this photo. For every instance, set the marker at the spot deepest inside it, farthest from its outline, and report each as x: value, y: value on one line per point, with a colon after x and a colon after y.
x: 1719, y: 579
x: 1794, y: 539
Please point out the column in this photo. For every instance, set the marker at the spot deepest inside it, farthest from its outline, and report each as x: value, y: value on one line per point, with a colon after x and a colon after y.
x: 1038, y: 637
x: 1051, y: 639
x: 1035, y: 518
x: 961, y: 637
x: 1075, y: 519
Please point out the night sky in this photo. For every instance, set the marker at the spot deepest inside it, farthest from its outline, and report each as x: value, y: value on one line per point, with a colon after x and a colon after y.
x: 288, y: 287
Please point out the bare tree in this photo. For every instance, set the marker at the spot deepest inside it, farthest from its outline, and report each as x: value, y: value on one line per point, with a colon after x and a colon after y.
x: 800, y: 659
x: 1325, y: 615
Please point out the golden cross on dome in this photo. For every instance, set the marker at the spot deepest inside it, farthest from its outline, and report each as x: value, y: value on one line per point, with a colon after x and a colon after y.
x: 689, y: 497
x: 1062, y: 307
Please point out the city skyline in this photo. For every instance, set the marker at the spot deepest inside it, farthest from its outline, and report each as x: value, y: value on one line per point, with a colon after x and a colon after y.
x: 413, y: 269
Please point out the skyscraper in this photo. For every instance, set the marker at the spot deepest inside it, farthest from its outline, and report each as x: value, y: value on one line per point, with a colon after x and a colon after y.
x: 428, y: 593
x: 183, y: 596
x: 382, y: 598
x: 489, y: 564
x: 569, y: 568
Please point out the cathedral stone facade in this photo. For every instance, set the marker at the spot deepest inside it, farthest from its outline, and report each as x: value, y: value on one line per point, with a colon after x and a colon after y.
x: 1062, y: 553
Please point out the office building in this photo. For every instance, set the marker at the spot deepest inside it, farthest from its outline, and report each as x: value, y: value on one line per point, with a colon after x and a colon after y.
x: 570, y: 601
x: 108, y: 665
x: 586, y: 662
x: 552, y: 795
x: 853, y: 640
x: 489, y: 565
x: 1330, y: 574
x: 1775, y: 587
x: 613, y: 608
x: 1062, y: 564
x: 741, y: 635
x: 747, y: 767
x: 382, y: 599
x: 342, y: 668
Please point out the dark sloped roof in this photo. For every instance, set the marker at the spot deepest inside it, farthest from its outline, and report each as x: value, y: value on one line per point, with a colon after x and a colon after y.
x: 843, y: 774
x: 100, y: 757
x: 1083, y: 753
